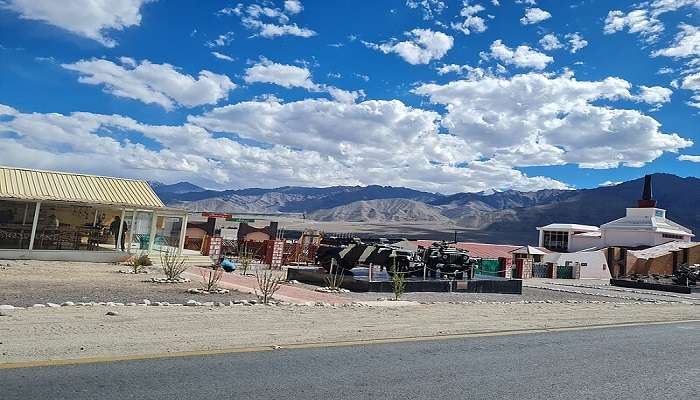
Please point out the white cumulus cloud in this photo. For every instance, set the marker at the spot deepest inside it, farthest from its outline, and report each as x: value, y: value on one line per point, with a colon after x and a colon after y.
x: 535, y: 119
x: 535, y: 15
x: 290, y: 76
x: 576, y: 42
x: 550, y: 42
x: 422, y: 46
x: 687, y: 157
x: 472, y: 22
x: 92, y: 19
x: 150, y: 83
x: 522, y: 56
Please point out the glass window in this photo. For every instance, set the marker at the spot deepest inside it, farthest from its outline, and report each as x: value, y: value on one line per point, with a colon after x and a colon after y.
x: 138, y: 230
x: 16, y: 219
x: 76, y: 227
x: 554, y: 240
x: 168, y: 231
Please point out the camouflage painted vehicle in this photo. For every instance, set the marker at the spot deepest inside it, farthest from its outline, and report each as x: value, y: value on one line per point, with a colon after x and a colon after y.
x: 351, y: 255
x: 448, y: 260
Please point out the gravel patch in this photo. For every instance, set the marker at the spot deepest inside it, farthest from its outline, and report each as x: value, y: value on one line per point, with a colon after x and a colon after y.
x: 25, y: 283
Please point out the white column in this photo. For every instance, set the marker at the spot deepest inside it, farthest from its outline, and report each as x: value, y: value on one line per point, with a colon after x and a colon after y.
x: 183, y: 233
x: 541, y: 244
x: 121, y: 229
x: 152, y: 234
x: 34, y: 225
x: 131, y: 231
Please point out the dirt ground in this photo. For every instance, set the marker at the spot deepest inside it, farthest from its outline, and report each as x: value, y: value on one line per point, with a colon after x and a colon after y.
x: 23, y: 283
x: 79, y: 332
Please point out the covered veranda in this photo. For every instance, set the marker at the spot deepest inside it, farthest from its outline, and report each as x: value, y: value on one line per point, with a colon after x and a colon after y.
x: 49, y: 215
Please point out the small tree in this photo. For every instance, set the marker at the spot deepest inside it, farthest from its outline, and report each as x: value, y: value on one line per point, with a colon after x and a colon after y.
x: 245, y: 260
x: 268, y: 284
x: 173, y: 264
x: 335, y: 276
x: 211, y: 277
x: 398, y: 280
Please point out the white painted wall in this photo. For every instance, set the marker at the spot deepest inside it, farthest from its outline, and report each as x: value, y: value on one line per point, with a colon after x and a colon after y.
x: 578, y: 243
x: 596, y: 265
x: 65, y: 255
x: 635, y: 238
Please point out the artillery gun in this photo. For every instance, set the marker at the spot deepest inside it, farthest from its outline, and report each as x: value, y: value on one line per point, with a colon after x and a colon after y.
x: 687, y: 275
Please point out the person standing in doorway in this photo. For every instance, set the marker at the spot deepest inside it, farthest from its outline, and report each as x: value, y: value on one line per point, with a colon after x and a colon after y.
x: 114, y: 227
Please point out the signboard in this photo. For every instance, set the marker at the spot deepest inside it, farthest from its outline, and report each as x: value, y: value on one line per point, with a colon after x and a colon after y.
x: 275, y: 253
x: 215, y: 248
x: 237, y: 219
x: 216, y: 215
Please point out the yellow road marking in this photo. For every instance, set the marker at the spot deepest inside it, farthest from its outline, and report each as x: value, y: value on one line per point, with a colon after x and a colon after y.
x: 316, y: 345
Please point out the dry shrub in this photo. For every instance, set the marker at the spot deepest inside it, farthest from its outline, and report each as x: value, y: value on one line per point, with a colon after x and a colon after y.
x: 139, y: 263
x: 172, y: 263
x: 211, y: 277
x: 268, y: 284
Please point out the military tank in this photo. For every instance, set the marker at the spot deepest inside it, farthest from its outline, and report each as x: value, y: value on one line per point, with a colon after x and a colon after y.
x: 350, y: 254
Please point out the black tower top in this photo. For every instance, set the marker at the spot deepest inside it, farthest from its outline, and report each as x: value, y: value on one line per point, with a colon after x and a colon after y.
x: 647, y: 200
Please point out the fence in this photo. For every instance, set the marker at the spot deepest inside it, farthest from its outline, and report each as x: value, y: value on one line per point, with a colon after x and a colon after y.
x: 540, y: 270
x: 565, y: 272
x: 491, y: 267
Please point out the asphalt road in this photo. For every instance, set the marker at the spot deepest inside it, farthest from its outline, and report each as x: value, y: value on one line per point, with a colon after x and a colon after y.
x: 642, y: 362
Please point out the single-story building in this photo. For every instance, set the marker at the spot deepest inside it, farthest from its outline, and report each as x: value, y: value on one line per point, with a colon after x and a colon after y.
x: 643, y: 226
x: 50, y: 215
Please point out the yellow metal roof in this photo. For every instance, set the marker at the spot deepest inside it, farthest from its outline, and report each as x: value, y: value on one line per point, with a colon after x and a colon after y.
x: 30, y: 184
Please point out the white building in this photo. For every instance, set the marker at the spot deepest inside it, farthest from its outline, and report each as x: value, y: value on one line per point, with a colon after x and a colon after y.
x: 642, y: 226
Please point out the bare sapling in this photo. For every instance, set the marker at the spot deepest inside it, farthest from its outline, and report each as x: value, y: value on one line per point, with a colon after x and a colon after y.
x: 268, y: 284
x: 211, y: 277
x: 245, y: 260
x: 172, y: 263
x: 398, y: 280
x: 335, y: 276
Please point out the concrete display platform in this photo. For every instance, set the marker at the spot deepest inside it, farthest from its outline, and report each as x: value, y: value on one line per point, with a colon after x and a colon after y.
x: 358, y: 281
x: 628, y: 283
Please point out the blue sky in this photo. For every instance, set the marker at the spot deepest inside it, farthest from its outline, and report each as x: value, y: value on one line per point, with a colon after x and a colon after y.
x: 442, y: 96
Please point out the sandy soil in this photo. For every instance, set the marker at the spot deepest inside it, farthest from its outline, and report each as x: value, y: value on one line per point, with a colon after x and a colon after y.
x: 77, y: 332
x: 23, y: 283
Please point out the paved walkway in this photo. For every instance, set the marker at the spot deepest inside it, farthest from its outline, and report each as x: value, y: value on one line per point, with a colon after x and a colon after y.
x: 248, y: 284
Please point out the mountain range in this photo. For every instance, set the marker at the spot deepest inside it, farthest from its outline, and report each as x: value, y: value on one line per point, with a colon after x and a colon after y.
x: 498, y: 217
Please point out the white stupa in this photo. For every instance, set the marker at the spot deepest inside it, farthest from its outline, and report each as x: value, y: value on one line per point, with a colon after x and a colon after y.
x: 644, y: 225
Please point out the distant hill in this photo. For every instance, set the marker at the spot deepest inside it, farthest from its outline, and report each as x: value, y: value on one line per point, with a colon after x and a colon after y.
x: 167, y: 191
x: 498, y: 217
x: 385, y: 210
